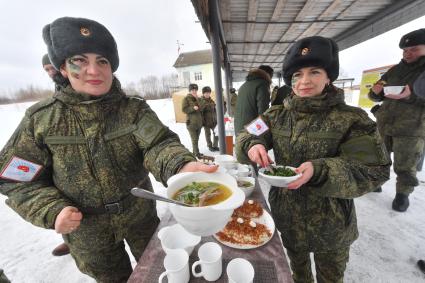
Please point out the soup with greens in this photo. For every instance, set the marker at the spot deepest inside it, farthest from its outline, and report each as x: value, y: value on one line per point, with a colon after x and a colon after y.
x: 202, y: 193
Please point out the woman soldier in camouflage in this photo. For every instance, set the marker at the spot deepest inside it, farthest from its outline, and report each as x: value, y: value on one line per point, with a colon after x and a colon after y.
x: 337, y: 149
x: 73, y: 160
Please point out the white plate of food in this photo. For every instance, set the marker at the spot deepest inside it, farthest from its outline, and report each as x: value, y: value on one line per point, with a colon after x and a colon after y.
x: 279, y: 179
x: 249, y: 227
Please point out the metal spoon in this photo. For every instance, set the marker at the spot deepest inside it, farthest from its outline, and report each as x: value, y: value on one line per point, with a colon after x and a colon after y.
x: 141, y: 193
x: 270, y: 168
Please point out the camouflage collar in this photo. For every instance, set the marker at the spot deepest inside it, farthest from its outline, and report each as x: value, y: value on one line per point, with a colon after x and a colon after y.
x: 330, y: 97
x: 69, y: 96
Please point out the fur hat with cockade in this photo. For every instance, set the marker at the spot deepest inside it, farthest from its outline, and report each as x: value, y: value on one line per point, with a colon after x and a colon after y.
x: 314, y: 51
x: 66, y: 37
x: 413, y: 38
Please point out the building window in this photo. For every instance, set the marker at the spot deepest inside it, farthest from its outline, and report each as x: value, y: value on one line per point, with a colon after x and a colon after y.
x: 198, y: 76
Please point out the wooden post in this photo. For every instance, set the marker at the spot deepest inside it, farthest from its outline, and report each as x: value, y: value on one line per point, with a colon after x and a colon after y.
x: 229, y: 145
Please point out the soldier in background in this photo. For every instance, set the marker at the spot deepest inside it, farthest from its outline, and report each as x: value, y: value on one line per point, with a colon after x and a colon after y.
x: 209, y: 118
x: 74, y: 158
x: 337, y: 149
x: 233, y: 100
x: 253, y: 96
x: 193, y: 110
x: 3, y: 277
x: 401, y: 117
x: 281, y: 93
x: 63, y: 248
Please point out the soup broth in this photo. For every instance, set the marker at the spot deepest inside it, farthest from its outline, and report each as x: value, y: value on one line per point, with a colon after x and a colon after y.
x: 202, y: 193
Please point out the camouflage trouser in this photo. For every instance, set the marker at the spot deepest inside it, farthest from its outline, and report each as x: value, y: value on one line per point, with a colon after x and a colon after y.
x: 208, y: 137
x: 97, y: 246
x: 3, y: 278
x: 194, y: 136
x: 408, y: 152
x: 330, y: 266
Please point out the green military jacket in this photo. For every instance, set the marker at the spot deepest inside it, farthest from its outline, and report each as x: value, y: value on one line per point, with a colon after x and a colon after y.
x: 209, y: 113
x: 349, y: 160
x: 193, y: 117
x: 89, y: 152
x: 253, y: 98
x: 403, y: 117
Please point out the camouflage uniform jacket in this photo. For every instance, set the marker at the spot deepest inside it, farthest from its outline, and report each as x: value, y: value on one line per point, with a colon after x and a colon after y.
x: 349, y: 160
x: 92, y: 152
x: 194, y: 117
x: 253, y: 98
x: 233, y: 100
x: 403, y: 117
x: 209, y: 113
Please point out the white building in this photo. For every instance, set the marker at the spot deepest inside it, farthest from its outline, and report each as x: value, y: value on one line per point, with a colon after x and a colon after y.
x: 195, y: 67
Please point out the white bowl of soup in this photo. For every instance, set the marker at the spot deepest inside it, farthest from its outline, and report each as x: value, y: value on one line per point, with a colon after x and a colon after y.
x: 213, y: 198
x: 246, y: 184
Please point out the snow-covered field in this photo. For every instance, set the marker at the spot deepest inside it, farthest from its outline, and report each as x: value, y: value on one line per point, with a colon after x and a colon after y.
x: 390, y: 243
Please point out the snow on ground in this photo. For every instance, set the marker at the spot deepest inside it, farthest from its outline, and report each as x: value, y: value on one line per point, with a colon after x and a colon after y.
x: 389, y: 245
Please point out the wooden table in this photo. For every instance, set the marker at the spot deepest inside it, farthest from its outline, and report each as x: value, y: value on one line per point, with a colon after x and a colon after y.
x: 269, y: 261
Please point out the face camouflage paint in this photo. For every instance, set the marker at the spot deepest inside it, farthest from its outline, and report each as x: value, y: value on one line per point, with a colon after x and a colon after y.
x: 74, y: 68
x: 294, y: 80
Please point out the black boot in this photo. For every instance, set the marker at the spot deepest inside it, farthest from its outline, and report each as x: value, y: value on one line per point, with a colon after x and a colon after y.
x: 378, y: 190
x: 421, y: 265
x: 216, y: 148
x: 400, y: 202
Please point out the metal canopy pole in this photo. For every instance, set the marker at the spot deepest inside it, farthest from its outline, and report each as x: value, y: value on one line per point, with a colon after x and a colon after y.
x: 215, y: 45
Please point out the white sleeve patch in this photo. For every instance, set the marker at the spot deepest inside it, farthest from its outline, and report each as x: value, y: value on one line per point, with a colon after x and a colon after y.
x: 20, y: 170
x: 257, y: 127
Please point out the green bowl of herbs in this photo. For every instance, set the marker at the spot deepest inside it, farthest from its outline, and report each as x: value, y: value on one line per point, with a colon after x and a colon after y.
x: 281, y: 175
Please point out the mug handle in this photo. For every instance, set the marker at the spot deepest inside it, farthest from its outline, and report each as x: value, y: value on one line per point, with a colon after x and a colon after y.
x: 195, y: 264
x: 163, y: 274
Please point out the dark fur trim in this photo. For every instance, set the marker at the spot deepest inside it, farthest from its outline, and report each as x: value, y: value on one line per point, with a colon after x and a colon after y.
x: 257, y: 73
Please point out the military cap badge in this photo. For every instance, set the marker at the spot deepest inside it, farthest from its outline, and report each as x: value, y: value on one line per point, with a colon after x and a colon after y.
x: 84, y: 31
x: 305, y: 51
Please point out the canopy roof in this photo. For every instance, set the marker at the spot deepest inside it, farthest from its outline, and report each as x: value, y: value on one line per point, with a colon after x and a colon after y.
x: 255, y: 32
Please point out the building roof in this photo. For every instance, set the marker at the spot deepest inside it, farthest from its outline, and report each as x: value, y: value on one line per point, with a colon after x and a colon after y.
x: 254, y: 32
x: 193, y: 58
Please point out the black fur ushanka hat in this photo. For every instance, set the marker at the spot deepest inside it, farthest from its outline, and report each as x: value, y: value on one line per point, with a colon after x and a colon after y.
x: 193, y: 86
x: 66, y: 37
x: 413, y: 38
x: 45, y: 60
x: 314, y: 51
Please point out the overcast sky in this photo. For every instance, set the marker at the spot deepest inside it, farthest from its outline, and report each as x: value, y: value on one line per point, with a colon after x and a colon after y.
x: 146, y: 33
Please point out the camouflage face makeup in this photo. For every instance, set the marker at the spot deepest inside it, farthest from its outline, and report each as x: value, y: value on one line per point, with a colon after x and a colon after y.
x: 294, y: 80
x: 74, y: 65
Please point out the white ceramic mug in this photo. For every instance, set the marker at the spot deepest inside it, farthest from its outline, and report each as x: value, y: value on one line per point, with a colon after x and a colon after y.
x: 240, y: 270
x: 176, y: 264
x: 210, y: 262
x: 176, y: 237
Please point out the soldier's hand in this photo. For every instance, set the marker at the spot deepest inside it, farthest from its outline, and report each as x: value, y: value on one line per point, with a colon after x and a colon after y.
x: 378, y: 87
x: 195, y: 166
x: 258, y: 154
x: 307, y: 171
x: 195, y: 107
x: 68, y: 220
x: 404, y: 94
